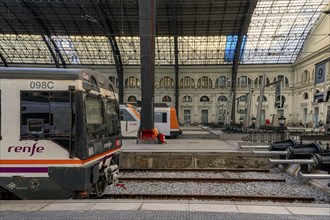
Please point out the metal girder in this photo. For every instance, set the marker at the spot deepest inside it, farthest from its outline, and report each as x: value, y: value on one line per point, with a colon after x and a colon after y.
x: 106, y: 25
x: 77, y: 26
x: 38, y: 23
x: 9, y: 24
x: 222, y: 18
x: 245, y: 22
x: 3, y: 60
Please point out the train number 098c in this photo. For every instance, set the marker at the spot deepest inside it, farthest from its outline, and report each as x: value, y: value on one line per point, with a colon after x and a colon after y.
x: 41, y: 85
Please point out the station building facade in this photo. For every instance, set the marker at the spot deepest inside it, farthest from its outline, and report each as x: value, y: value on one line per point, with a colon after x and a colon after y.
x: 204, y: 90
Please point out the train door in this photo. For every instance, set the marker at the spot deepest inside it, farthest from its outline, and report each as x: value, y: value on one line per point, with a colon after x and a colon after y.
x: 305, y: 119
x: 205, y: 116
x: 263, y: 117
x: 186, y: 116
x: 162, y: 120
x: 129, y: 122
x: 222, y: 115
x: 316, y: 117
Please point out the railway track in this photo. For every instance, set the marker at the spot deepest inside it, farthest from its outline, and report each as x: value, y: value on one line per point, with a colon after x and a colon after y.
x: 209, y: 180
x: 218, y: 184
x: 197, y: 170
x: 211, y: 197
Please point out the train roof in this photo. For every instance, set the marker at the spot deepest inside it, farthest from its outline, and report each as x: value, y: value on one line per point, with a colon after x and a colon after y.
x: 46, y: 73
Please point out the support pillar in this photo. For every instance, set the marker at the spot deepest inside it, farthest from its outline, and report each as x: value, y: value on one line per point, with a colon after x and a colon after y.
x: 147, y: 16
x: 261, y: 99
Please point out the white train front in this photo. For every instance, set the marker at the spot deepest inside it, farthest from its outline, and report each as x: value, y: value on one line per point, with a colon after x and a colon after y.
x: 60, y: 133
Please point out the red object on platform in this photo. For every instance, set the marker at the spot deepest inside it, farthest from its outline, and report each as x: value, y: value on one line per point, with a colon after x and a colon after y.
x: 162, y: 138
x: 147, y: 134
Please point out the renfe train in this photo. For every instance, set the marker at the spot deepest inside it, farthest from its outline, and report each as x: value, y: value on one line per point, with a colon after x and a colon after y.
x: 60, y: 133
x: 165, y: 120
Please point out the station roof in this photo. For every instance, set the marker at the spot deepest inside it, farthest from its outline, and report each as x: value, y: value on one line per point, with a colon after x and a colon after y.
x: 207, y: 30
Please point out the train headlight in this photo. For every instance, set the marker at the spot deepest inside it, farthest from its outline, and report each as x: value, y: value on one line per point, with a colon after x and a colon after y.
x: 118, y: 143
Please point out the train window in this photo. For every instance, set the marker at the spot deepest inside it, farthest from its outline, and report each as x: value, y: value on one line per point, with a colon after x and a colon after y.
x: 126, y: 116
x: 47, y: 115
x: 61, y: 118
x: 121, y: 115
x: 93, y: 110
x: 35, y: 115
x: 112, y: 122
x: 160, y: 117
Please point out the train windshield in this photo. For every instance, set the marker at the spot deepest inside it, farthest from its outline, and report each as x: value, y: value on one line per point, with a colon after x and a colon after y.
x: 52, y: 115
x: 102, y: 121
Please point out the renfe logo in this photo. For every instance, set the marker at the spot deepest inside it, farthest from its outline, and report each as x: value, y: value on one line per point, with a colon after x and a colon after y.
x: 27, y: 149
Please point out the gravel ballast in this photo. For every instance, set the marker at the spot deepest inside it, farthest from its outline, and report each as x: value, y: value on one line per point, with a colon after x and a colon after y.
x: 292, y: 187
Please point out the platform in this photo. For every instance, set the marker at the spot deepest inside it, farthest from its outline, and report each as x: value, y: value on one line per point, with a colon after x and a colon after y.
x: 193, y: 139
x: 182, y: 145
x: 153, y: 210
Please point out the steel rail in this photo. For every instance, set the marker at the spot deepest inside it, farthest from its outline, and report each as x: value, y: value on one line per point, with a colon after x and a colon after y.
x: 194, y: 179
x: 211, y: 197
x: 197, y: 170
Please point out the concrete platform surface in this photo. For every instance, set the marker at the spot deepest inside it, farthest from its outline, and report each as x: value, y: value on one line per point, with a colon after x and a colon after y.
x: 182, y: 145
x: 159, y: 209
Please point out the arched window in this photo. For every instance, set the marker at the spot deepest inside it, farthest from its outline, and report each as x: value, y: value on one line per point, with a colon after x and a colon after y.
x: 114, y: 80
x: 131, y: 98
x: 222, y: 82
x: 187, y: 98
x: 166, y: 82
x: 204, y: 83
x: 222, y: 98
x: 305, y: 77
x: 167, y: 99
x: 258, y: 81
x: 243, y: 81
x: 278, y: 98
x: 305, y: 95
x: 132, y: 82
x: 204, y: 99
x: 243, y: 98
x: 187, y: 83
x: 264, y: 99
x: 285, y: 80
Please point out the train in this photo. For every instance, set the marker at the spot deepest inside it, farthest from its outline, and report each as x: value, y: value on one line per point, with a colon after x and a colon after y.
x: 60, y: 134
x: 165, y: 120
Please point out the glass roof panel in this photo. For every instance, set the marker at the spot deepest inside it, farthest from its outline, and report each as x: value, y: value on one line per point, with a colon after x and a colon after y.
x: 164, y: 51
x: 276, y: 34
x: 85, y: 49
x: 278, y: 29
x: 201, y: 49
x: 129, y: 48
x: 24, y: 49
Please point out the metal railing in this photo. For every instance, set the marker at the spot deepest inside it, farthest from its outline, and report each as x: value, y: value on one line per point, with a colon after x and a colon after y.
x: 280, y: 135
x: 267, y: 136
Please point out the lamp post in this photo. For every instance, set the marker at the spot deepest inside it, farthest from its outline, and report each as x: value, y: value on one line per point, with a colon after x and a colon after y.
x: 253, y: 119
x: 281, y: 120
x: 241, y: 121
